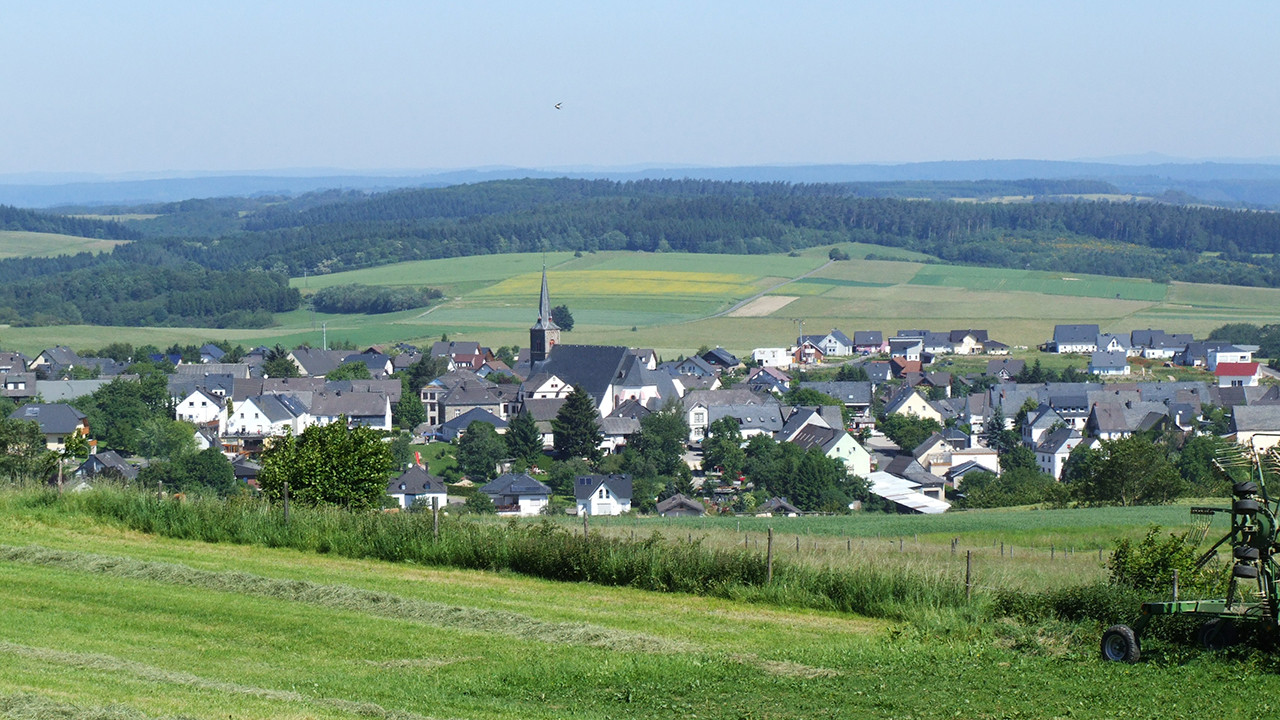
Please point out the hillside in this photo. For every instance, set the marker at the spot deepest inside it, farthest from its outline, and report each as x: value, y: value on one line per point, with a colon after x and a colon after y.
x: 146, y: 626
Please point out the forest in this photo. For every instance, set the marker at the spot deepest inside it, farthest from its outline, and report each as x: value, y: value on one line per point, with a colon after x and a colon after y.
x: 329, y: 231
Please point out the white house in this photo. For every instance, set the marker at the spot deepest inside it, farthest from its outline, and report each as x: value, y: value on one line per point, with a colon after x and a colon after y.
x: 774, y: 357
x: 417, y: 485
x: 1228, y: 354
x: 1053, y: 451
x: 517, y: 494
x: 1236, y: 374
x: 265, y: 415
x: 199, y: 407
x: 836, y: 444
x: 602, y: 494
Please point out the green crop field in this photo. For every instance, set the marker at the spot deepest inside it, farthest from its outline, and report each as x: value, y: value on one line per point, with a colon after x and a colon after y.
x: 676, y: 302
x: 20, y: 243
x: 144, y: 626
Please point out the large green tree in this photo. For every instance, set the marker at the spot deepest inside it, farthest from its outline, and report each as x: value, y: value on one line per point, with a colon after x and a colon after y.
x: 23, y: 454
x: 350, y: 371
x: 207, y: 470
x: 329, y: 465
x: 723, y: 448
x: 524, y: 440
x: 577, y: 428
x: 480, y: 449
x: 1128, y: 471
x: 409, y: 412
x: 277, y: 364
x: 662, y: 438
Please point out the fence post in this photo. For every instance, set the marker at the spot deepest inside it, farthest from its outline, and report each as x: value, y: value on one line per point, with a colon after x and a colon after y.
x: 769, y: 559
x: 1051, y: 551
x: 899, y: 544
x: 585, y: 530
x: 159, y: 490
x: 286, y: 503
x: 968, y: 575
x: 435, y: 518
x: 746, y: 542
x: 848, y: 544
x: 1001, y: 549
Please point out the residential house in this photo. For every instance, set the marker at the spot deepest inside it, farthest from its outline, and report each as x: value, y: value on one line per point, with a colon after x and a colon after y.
x: 680, y: 506
x: 199, y: 407
x: 371, y: 410
x: 1158, y: 344
x: 768, y: 379
x: 56, y: 420
x: 967, y: 342
x: 210, y: 353
x: 692, y: 365
x: 19, y: 386
x: 698, y: 403
x: 721, y: 359
x: 314, y: 362
x: 1113, y: 420
x: 1104, y: 362
x: 836, y: 344
x: 1114, y: 344
x: 837, y: 444
x: 869, y: 342
x: 753, y: 419
x: 1039, y: 423
x: 855, y: 394
x: 456, y: 427
x: 907, y: 348
x: 909, y: 401
x: 1236, y: 374
x: 1007, y: 369
x: 602, y: 494
x: 106, y: 463
x: 1228, y: 354
x: 773, y: 357
x: 1055, y: 448
x: 1256, y: 426
x: 265, y: 415
x: 518, y: 494
x: 1074, y: 339
x: 416, y: 485
x: 806, y: 353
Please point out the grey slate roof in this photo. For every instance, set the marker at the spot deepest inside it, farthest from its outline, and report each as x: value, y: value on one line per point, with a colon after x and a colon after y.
x: 1103, y: 360
x: 584, y: 486
x: 778, y: 505
x: 240, y: 370
x: 816, y: 436
x: 866, y: 338
x: 721, y: 357
x: 1075, y: 334
x: 54, y: 418
x: 679, y: 501
x: 415, y: 481
x: 593, y: 368
x: 515, y: 484
x: 1056, y: 439
x: 767, y: 418
x: 107, y: 461
x: 849, y: 392
x: 1256, y: 418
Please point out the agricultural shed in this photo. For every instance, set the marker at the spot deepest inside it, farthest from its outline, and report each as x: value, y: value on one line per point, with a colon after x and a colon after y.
x: 903, y: 493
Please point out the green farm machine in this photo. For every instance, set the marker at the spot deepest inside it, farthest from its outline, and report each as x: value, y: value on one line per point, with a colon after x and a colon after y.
x: 1251, y: 595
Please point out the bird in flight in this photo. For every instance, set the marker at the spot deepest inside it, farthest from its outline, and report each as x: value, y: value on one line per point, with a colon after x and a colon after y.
x: 558, y: 106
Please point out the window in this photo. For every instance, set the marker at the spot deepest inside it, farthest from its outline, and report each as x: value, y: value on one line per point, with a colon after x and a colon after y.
x: 601, y: 493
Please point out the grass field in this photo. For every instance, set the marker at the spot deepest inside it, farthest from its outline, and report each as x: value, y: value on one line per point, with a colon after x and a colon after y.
x: 20, y: 243
x: 146, y: 626
x: 676, y: 302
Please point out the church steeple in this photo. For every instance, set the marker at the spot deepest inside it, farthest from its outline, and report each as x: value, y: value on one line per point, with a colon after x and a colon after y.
x: 545, y: 333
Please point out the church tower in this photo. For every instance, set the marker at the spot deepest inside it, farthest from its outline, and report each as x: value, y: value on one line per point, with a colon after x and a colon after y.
x: 545, y: 333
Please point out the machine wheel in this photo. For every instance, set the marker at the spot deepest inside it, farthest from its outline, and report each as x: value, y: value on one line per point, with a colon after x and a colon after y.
x: 1245, y: 489
x: 1217, y: 633
x: 1247, y: 572
x: 1244, y: 552
x: 1245, y: 507
x: 1120, y: 644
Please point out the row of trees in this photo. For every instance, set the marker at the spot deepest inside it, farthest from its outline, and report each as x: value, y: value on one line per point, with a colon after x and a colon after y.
x: 372, y: 299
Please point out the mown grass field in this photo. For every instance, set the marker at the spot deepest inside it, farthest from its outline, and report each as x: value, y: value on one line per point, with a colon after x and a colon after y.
x: 676, y: 302
x: 20, y: 243
x: 103, y: 620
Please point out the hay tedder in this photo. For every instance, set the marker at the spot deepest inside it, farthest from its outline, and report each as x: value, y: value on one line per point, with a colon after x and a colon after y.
x: 1251, y: 594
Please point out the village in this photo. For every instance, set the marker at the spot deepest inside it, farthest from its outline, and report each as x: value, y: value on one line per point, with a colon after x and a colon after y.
x: 238, y: 407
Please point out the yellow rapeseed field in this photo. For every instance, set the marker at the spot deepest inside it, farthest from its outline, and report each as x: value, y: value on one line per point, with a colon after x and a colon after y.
x: 596, y: 283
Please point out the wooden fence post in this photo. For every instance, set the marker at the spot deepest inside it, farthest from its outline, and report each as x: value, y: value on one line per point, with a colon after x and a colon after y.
x: 585, y: 530
x: 435, y: 518
x: 968, y: 575
x: 797, y: 543
x: 286, y: 503
x: 769, y: 559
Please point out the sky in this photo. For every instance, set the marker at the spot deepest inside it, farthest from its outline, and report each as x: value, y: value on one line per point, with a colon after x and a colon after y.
x: 172, y: 87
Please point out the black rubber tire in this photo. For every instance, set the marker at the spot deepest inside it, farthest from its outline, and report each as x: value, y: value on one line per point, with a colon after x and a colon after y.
x: 1246, y: 572
x: 1245, y: 507
x: 1217, y: 634
x: 1244, y: 489
x: 1120, y: 644
x: 1244, y: 552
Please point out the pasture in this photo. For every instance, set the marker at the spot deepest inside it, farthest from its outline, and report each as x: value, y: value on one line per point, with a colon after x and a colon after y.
x: 20, y: 243
x: 677, y: 302
x: 150, y: 626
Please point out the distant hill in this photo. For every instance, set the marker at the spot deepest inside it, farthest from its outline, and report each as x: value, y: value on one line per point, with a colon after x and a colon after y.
x: 1215, y: 182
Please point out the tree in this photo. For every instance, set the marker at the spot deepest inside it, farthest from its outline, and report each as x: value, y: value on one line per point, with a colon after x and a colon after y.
x: 561, y: 316
x: 205, y: 470
x: 576, y: 428
x: 480, y: 449
x: 409, y: 412
x: 908, y: 431
x: 480, y: 504
x: 996, y: 436
x: 328, y: 464
x: 852, y: 373
x: 524, y: 440
x: 23, y: 454
x: 350, y: 371
x: 662, y: 438
x: 1019, y: 457
x: 1128, y: 471
x: 1019, y: 486
x: 837, y: 253
x: 426, y: 369
x: 277, y: 364
x: 160, y: 437
x: 723, y: 448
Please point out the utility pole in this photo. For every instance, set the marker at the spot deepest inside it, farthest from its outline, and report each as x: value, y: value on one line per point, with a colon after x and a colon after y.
x: 324, y: 328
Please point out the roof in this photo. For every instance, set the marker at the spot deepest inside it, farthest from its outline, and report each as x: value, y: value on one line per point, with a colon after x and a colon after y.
x: 351, y: 404
x: 446, y: 348
x: 1101, y: 359
x: 54, y: 418
x: 678, y: 501
x: 314, y: 361
x: 903, y: 492
x: 849, y: 392
x: 213, y: 368
x: 463, y: 421
x: 416, y: 481
x: 720, y: 356
x: 756, y: 416
x: 956, y: 336
x: 863, y: 338
x: 1054, y: 441
x: 1256, y: 418
x: 55, y: 390
x: 107, y: 461
x: 729, y: 396
x: 1075, y: 334
x: 1008, y: 366
x: 592, y: 368
x: 778, y: 505
x: 1248, y: 369
x: 584, y: 486
x: 515, y: 484
x: 543, y: 408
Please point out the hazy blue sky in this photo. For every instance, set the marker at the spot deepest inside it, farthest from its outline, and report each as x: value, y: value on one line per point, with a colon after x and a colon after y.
x: 146, y: 86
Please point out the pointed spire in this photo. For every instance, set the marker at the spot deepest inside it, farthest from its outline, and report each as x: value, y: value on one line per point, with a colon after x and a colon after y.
x: 544, y: 305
